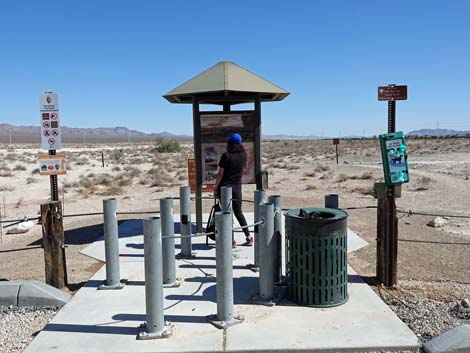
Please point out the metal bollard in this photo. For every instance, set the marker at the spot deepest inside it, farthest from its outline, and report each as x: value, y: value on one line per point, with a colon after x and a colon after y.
x: 111, y: 245
x: 168, y: 242
x: 185, y: 223
x: 226, y: 199
x: 332, y: 201
x: 154, y: 327
x: 266, y: 268
x: 259, y: 197
x: 276, y: 201
x: 224, y: 272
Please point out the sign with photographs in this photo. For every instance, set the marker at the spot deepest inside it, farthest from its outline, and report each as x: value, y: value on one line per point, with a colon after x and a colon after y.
x: 215, y: 128
x: 50, y: 125
x: 52, y: 164
x: 192, y: 178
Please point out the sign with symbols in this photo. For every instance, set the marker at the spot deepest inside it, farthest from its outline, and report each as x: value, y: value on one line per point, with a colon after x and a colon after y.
x: 50, y: 126
x: 392, y: 93
x: 192, y: 178
x: 52, y: 164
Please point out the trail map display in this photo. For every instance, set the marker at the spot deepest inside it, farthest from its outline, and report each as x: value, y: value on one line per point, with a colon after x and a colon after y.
x: 215, y: 128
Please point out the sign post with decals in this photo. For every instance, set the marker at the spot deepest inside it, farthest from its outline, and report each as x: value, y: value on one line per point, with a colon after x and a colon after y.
x: 394, y: 156
x: 51, y: 137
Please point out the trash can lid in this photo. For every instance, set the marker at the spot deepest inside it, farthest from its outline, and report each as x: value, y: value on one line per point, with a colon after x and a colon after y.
x: 317, y: 214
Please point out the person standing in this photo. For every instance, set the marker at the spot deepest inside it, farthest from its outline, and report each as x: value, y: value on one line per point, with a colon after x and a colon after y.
x: 232, y: 166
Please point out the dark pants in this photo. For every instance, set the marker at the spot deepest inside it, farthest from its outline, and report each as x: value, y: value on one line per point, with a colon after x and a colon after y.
x: 237, y: 206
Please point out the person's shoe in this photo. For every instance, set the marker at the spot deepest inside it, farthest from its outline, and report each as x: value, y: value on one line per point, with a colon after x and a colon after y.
x: 234, y: 244
x: 248, y: 242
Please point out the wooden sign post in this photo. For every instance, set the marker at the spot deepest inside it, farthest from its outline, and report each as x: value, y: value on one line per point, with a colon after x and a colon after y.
x: 336, y: 143
x: 53, y: 243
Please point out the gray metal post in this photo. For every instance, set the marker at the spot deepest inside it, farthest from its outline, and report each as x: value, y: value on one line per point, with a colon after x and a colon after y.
x: 168, y: 241
x: 276, y: 201
x: 331, y: 201
x: 154, y: 327
x: 224, y: 271
x: 111, y: 245
x: 266, y: 242
x: 185, y: 222
x: 226, y: 199
x: 259, y: 197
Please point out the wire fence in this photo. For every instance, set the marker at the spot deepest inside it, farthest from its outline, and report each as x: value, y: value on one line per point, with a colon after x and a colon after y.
x: 409, y: 213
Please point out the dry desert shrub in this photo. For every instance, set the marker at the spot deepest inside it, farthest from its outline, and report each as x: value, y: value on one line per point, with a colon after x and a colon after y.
x: 160, y: 177
x: 422, y: 183
x: 364, y: 190
x: 6, y: 188
x: 310, y: 174
x: 310, y: 187
x: 31, y: 180
x: 364, y: 176
x: 321, y: 168
x: 116, y: 168
x: 5, y: 171
x: 11, y: 157
x: 19, y: 167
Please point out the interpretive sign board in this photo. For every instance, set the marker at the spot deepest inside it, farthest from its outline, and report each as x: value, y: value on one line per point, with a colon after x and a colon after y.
x: 215, y: 128
x: 52, y: 164
x: 50, y: 122
x: 192, y: 179
x: 336, y: 141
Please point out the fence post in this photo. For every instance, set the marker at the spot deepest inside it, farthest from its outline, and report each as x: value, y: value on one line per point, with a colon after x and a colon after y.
x: 185, y: 223
x: 259, y: 197
x: 154, y: 327
x: 276, y: 201
x: 111, y: 245
x: 332, y: 201
x: 224, y: 272
x: 266, y: 247
x: 53, y: 243
x: 168, y: 242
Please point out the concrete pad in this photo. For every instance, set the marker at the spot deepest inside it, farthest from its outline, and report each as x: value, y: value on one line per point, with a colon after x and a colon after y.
x: 36, y: 293
x: 9, y: 293
x: 107, y: 321
x: 456, y: 340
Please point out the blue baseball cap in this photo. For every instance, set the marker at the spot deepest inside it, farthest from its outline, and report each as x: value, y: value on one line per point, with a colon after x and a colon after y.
x: 235, y: 138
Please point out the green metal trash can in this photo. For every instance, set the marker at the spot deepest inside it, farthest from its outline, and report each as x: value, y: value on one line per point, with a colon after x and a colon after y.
x: 316, y: 256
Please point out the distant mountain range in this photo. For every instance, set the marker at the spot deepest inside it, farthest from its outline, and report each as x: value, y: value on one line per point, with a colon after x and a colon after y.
x: 437, y: 132
x: 86, y: 134
x: 119, y: 133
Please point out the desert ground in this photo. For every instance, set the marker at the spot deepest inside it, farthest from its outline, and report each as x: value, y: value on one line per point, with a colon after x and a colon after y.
x: 433, y: 268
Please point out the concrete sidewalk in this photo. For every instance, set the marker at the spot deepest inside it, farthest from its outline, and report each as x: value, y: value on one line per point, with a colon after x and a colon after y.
x: 107, y: 321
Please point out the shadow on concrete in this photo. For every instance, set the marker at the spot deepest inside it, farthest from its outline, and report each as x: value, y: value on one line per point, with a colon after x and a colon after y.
x: 93, y: 283
x: 171, y: 318
x: 79, y: 236
x: 243, y: 287
x: 235, y: 267
x: 110, y: 330
x: 21, y: 249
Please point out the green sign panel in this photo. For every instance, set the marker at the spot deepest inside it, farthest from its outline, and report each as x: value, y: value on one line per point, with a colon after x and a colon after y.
x: 394, y: 158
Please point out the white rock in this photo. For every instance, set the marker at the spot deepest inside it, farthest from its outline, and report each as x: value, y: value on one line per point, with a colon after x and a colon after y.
x: 438, y: 222
x: 22, y: 227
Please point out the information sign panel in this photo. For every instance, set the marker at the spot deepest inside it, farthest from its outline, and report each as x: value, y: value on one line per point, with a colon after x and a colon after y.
x: 50, y: 124
x: 52, y: 164
x: 392, y: 93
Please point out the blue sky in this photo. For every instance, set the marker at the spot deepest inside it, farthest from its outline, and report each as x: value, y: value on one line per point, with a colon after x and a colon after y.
x: 111, y: 61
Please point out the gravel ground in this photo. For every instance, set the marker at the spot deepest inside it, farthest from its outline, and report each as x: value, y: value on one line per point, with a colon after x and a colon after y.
x: 20, y: 325
x: 429, y: 308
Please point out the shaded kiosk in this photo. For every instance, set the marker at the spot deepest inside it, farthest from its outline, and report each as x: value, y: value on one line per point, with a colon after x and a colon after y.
x: 225, y: 84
